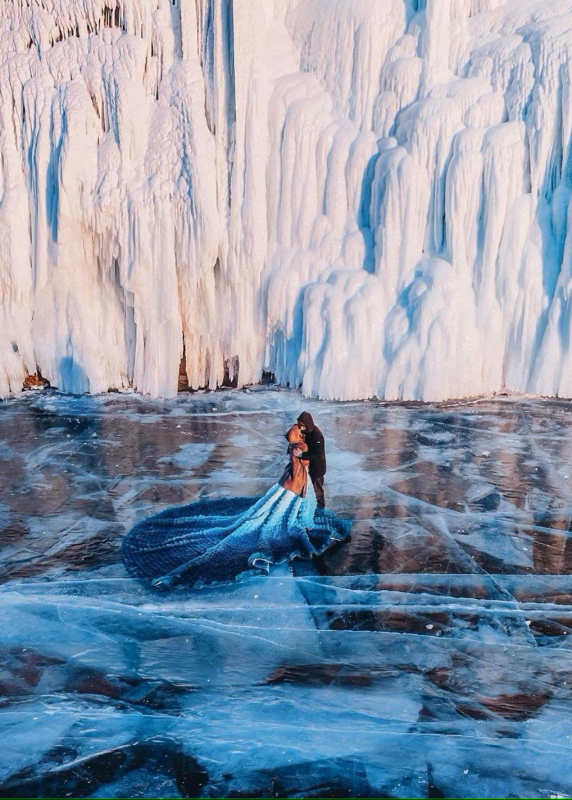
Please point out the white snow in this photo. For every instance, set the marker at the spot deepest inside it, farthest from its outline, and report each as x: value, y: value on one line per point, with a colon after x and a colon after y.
x: 365, y: 197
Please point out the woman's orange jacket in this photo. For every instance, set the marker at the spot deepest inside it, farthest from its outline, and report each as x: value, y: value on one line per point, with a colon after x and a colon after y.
x: 295, y: 477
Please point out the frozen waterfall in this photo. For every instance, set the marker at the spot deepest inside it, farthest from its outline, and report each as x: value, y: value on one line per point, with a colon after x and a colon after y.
x: 364, y: 197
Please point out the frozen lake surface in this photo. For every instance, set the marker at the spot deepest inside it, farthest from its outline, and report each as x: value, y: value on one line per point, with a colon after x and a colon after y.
x: 427, y: 657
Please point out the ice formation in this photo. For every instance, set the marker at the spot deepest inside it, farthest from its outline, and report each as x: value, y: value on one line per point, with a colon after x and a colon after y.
x: 364, y: 197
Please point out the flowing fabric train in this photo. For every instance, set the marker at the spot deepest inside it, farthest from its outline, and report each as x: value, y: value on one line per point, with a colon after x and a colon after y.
x: 217, y: 540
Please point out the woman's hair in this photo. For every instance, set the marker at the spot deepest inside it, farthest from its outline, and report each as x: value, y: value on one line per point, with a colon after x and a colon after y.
x: 295, y: 435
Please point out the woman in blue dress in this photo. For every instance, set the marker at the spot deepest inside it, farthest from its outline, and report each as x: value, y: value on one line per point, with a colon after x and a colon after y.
x: 213, y: 541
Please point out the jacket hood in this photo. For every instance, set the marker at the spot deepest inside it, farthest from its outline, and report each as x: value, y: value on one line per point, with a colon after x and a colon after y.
x: 306, y: 419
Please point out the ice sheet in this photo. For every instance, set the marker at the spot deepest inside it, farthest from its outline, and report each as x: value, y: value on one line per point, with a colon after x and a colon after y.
x: 428, y: 655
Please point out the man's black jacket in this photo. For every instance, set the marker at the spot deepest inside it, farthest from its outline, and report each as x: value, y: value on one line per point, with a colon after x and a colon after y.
x: 316, y: 453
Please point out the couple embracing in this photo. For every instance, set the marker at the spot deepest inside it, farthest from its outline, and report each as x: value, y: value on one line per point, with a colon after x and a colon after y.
x: 217, y: 540
x: 308, y: 454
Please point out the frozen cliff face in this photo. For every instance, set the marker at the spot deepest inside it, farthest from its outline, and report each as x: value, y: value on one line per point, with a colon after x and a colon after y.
x: 365, y: 197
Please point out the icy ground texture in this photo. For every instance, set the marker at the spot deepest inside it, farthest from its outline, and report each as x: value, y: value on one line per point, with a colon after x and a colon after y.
x: 430, y: 656
x: 365, y: 197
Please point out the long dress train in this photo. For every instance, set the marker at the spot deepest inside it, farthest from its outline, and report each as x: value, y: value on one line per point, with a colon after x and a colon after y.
x: 217, y: 540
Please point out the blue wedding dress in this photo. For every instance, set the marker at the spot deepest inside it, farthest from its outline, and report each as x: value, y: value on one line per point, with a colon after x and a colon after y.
x: 217, y: 540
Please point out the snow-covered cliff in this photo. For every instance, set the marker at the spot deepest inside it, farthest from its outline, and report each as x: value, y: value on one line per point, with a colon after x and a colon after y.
x: 365, y: 197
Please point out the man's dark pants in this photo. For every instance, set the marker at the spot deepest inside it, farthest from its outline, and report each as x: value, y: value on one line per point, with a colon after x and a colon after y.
x: 318, y: 481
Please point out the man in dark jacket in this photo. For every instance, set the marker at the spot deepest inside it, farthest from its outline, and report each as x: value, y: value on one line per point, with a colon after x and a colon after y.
x: 316, y: 454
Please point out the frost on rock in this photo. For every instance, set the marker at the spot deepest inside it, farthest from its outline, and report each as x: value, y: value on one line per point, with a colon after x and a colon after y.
x: 365, y: 198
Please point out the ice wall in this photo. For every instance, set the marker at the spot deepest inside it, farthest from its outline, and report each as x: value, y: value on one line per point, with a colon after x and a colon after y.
x: 365, y: 197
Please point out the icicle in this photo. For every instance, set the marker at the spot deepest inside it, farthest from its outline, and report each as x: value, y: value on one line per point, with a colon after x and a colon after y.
x: 363, y: 197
